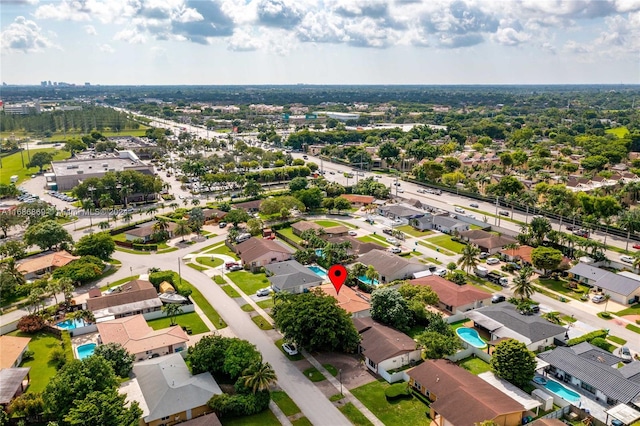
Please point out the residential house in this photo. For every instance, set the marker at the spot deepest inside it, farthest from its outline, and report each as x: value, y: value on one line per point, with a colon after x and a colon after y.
x: 133, y: 298
x: 35, y: 266
x: 292, y: 277
x: 249, y: 206
x: 454, y: 299
x: 520, y: 253
x: 460, y: 398
x: 423, y: 223
x: 593, y: 372
x: 168, y: 393
x: 358, y: 200
x: 357, y: 247
x: 13, y: 383
x: 399, y: 212
x: 448, y: 225
x: 385, y: 348
x: 256, y: 253
x: 486, y: 241
x: 336, y: 231
x: 391, y: 267
x: 503, y: 320
x: 355, y: 302
x: 624, y: 288
x: 213, y: 215
x: 299, y: 227
x: 12, y: 348
x: 146, y: 232
x: 140, y: 340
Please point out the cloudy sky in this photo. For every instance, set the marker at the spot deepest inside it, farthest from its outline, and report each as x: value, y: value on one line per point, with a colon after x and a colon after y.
x: 320, y: 41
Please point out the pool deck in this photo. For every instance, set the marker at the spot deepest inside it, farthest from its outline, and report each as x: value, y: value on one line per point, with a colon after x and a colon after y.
x: 587, y: 401
x: 83, y: 340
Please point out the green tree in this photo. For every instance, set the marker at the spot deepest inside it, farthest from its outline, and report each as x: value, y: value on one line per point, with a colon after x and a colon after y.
x: 117, y: 356
x: 8, y: 221
x: 546, y: 258
x: 13, y: 249
x: 539, y: 227
x: 10, y: 277
x: 259, y: 377
x: 513, y: 362
x: 438, y: 346
x: 99, y: 244
x: 389, y: 151
x: 311, y: 198
x: 389, y: 307
x: 74, y: 145
x: 522, y: 286
x: 341, y: 204
x: 182, y: 229
x: 172, y: 310
x: 252, y: 188
x: 47, y: 234
x: 196, y: 219
x: 315, y: 322
x: 297, y: 184
x: 469, y: 258
x: 507, y: 185
x: 40, y: 159
x: 104, y: 408
x: 237, y: 216
x: 254, y: 226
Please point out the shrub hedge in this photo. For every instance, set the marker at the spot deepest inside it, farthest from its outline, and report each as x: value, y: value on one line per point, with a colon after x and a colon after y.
x: 397, y: 391
x: 588, y: 337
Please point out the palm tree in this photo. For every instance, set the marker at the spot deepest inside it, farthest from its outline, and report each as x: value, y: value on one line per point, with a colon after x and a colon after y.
x: 606, y: 301
x: 629, y: 220
x: 104, y: 225
x: 552, y: 317
x: 162, y: 225
x: 259, y: 377
x: 522, y: 286
x: 88, y: 205
x: 182, y: 229
x: 372, y: 275
x: 172, y: 310
x: 105, y: 201
x: 66, y: 288
x: 174, y: 205
x: 127, y: 217
x: 115, y: 216
x: 469, y: 258
x: 151, y: 211
x: 195, y: 202
x: 53, y: 288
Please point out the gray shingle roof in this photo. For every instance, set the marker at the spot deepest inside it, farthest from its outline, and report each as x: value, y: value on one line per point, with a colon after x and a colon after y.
x: 600, y: 375
x: 588, y: 351
x: 631, y: 371
x: 532, y: 327
x: 587, y: 271
x: 445, y: 221
x: 290, y: 274
x: 385, y: 263
x: 401, y: 211
x: 606, y: 280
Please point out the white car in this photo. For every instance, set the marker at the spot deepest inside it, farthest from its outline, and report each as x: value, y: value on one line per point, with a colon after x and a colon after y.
x: 441, y: 272
x: 492, y: 261
x: 392, y: 240
x: 352, y: 233
x: 400, y: 190
x: 459, y: 210
x: 263, y: 292
x: 627, y: 259
x: 290, y: 349
x: 395, y: 250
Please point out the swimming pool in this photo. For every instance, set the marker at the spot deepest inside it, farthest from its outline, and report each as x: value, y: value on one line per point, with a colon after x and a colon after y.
x: 318, y: 271
x: 368, y: 280
x: 85, y: 350
x: 71, y: 324
x: 470, y: 336
x: 562, y: 392
x: 540, y: 380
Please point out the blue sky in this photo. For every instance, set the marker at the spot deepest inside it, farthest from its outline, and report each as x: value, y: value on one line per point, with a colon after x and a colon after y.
x: 320, y: 41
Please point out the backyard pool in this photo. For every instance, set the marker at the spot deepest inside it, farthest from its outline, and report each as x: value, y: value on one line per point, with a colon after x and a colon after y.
x: 71, y: 324
x: 368, y: 281
x: 471, y: 337
x: 318, y: 271
x: 86, y: 350
x: 562, y: 392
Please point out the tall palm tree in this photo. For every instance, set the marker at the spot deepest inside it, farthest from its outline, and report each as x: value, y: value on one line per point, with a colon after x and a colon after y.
x: 372, y: 275
x: 172, y: 310
x: 182, y: 229
x: 105, y: 201
x: 161, y: 225
x: 469, y: 258
x: 606, y: 301
x: 522, y: 286
x: 127, y: 217
x: 104, y: 225
x: 358, y: 270
x: 114, y: 216
x: 88, y: 205
x: 259, y: 377
x: 66, y: 288
x: 629, y: 220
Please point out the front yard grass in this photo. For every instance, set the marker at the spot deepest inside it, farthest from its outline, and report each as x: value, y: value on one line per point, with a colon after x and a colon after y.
x: 396, y: 413
x: 408, y: 229
x: 302, y: 421
x: 286, y: 404
x: 262, y: 323
x: 230, y: 291
x: 370, y: 239
x: 211, y: 262
x: 266, y: 418
x: 191, y: 320
x: 327, y: 223
x: 248, y: 282
x: 42, y: 371
x: 354, y: 415
x: 633, y: 328
x: 631, y: 310
x: 223, y: 249
x: 266, y: 304
x: 196, y: 267
x: 435, y: 248
x: 475, y: 365
x: 562, y: 287
x: 313, y: 374
x: 616, y: 339
x: 203, y: 303
x: 446, y: 242
x: 117, y: 283
x: 288, y: 232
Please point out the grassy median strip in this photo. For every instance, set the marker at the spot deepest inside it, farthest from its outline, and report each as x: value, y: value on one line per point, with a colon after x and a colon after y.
x: 200, y: 300
x: 286, y: 404
x: 354, y: 415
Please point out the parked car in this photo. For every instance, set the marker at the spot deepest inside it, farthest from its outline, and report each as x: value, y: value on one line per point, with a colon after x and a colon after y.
x: 388, y: 231
x: 503, y: 213
x: 263, y: 292
x: 352, y: 233
x: 401, y: 190
x: 290, y: 349
x: 625, y: 354
x: 483, y: 255
x: 474, y: 205
x: 627, y: 259
x: 420, y: 191
x: 598, y: 298
x: 636, y: 246
x: 497, y: 298
x: 395, y: 250
x: 228, y: 265
x: 392, y: 240
x: 441, y: 272
x: 235, y: 268
x: 581, y: 233
x: 222, y: 224
x: 493, y: 261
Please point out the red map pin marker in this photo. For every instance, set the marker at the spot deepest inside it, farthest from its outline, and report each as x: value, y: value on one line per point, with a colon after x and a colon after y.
x: 337, y: 275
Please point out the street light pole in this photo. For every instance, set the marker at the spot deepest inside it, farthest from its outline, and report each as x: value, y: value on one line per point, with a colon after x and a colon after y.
x: 179, y: 272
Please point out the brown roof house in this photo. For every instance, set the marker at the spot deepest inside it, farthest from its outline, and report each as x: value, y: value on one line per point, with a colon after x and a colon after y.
x: 12, y: 348
x: 168, y: 393
x: 391, y: 267
x: 454, y: 299
x: 256, y: 253
x: 34, y: 266
x: 385, y: 349
x: 354, y: 302
x: 522, y: 253
x: 358, y: 200
x: 145, y: 233
x: 357, y: 247
x: 299, y: 227
x: 460, y: 398
x: 486, y: 241
x: 142, y: 341
x: 132, y: 298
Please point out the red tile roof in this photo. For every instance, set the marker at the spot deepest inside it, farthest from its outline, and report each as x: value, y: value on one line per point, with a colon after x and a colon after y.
x: 452, y: 294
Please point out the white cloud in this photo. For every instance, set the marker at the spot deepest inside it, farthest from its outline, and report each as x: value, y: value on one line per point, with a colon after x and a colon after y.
x: 90, y: 29
x: 23, y: 35
x: 106, y: 48
x: 242, y: 41
x: 131, y: 36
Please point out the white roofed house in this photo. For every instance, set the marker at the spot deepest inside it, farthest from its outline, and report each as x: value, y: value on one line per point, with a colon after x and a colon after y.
x: 624, y: 288
x: 391, y: 267
x: 292, y: 277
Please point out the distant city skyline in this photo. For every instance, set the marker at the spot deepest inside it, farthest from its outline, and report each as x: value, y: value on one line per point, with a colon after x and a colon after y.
x: 225, y: 42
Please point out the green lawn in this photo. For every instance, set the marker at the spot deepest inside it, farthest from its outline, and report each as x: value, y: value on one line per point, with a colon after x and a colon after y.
x: 12, y: 164
x: 286, y: 404
x: 219, y: 280
x: 224, y: 250
x: 212, y: 262
x: 42, y: 370
x: 288, y: 232
x: 408, y: 229
x: 230, y: 291
x: 266, y: 418
x: 302, y: 421
x: 475, y: 365
x: 397, y: 413
x: 620, y: 132
x: 633, y: 328
x: 313, y: 374
x: 374, y: 239
x: 249, y: 282
x: 562, y: 287
x: 247, y: 308
x: 266, y: 304
x: 631, y: 310
x: 432, y: 247
x: 262, y: 323
x: 117, y: 283
x: 190, y: 319
x: 616, y: 339
x: 203, y: 303
x: 354, y: 415
x: 458, y: 324
x: 446, y: 242
x: 196, y: 267
x: 327, y: 223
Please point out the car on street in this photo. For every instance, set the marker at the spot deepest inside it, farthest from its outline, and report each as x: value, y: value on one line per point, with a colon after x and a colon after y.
x: 392, y: 240
x: 332, y: 173
x: 493, y: 261
x: 290, y: 349
x: 636, y: 246
x: 263, y: 292
x: 598, y: 298
x: 581, y: 233
x: 222, y: 224
x: 420, y: 191
x: 503, y: 213
x: 459, y: 210
x: 497, y: 298
x: 627, y: 259
x: 400, y: 190
x: 625, y: 354
x: 474, y: 205
x: 352, y: 233
x: 396, y: 184
x: 395, y: 250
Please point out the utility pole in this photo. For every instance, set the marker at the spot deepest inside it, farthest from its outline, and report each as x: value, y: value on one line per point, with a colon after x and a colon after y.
x: 497, y: 215
x: 179, y: 272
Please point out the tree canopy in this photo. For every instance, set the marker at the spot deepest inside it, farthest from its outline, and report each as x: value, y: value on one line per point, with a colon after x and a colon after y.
x: 99, y: 244
x: 389, y: 307
x: 513, y: 362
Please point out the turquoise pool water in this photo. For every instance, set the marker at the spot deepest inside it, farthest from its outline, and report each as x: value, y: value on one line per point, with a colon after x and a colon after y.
x: 86, y: 350
x: 368, y: 281
x: 320, y: 253
x: 562, y: 392
x: 318, y: 271
x: 71, y: 324
x: 470, y: 336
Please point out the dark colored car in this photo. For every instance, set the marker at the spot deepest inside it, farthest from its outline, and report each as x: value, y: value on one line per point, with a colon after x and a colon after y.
x: 497, y: 298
